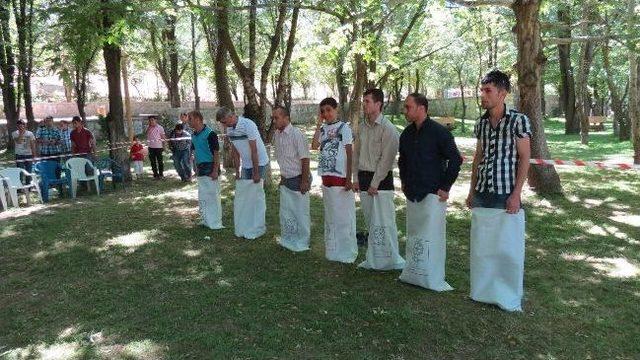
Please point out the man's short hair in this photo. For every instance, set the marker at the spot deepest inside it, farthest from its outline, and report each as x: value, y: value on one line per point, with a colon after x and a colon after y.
x: 498, y: 79
x: 281, y: 108
x: 183, y: 114
x: 329, y: 101
x: 377, y: 95
x: 420, y: 100
x: 179, y: 127
x: 20, y: 122
x: 223, y: 113
x: 152, y: 117
x: 195, y: 114
x: 76, y: 119
x: 48, y: 117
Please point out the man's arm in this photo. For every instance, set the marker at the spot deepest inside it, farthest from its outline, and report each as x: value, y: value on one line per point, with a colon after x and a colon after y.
x: 32, y: 144
x: 477, y: 158
x: 254, y: 160
x: 356, y: 161
x: 236, y: 159
x: 349, y: 150
x: 451, y: 153
x: 523, y: 146
x: 390, y: 143
x: 305, y: 184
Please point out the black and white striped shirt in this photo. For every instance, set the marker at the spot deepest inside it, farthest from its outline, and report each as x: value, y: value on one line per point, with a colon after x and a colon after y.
x: 497, y: 170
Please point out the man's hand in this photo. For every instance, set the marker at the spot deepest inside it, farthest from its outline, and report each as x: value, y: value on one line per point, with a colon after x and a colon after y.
x: 355, y: 186
x: 469, y: 200
x: 443, y: 195
x: 348, y: 185
x: 255, y: 175
x: 372, y: 191
x: 214, y: 174
x: 305, y: 185
x: 513, y: 203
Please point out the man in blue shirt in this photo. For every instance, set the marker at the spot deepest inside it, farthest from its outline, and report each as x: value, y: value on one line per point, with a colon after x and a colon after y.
x: 204, y: 143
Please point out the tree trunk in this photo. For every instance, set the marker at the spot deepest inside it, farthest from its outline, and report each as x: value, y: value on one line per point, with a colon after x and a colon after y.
x: 112, y: 60
x: 621, y: 117
x: 283, y: 85
x: 464, y: 104
x: 583, y: 101
x: 194, y: 64
x: 127, y: 98
x: 341, y: 81
x: 169, y: 33
x: 23, y: 15
x: 567, y: 81
x: 8, y: 69
x: 543, y: 179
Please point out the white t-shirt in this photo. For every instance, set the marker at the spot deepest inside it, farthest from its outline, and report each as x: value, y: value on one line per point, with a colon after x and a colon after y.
x: 24, y: 146
x: 240, y: 136
x: 333, y: 156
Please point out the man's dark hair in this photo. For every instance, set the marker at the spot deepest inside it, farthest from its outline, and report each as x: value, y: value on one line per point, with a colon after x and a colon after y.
x: 76, y: 119
x: 179, y: 127
x: 152, y: 117
x: 420, y: 100
x: 329, y: 101
x: 377, y: 95
x: 20, y: 122
x: 281, y: 108
x: 195, y: 114
x: 498, y: 79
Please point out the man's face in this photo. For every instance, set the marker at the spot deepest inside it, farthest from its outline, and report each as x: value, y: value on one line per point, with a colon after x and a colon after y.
x: 48, y: 122
x: 184, y: 118
x: 491, y: 96
x: 280, y: 120
x: 412, y: 111
x: 77, y: 124
x: 153, y: 122
x: 194, y: 123
x: 22, y: 127
x: 64, y: 125
x: 369, y: 106
x: 329, y: 113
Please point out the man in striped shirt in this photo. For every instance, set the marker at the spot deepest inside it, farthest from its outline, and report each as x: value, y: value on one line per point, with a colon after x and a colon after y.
x: 501, y: 161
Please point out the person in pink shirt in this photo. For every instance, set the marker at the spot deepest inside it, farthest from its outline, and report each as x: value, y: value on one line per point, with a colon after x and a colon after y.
x: 156, y: 140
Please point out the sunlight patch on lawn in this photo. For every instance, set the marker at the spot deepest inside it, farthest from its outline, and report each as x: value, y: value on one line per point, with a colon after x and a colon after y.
x: 612, y: 267
x: 625, y: 218
x: 131, y: 241
x: 66, y: 350
x: 192, y: 253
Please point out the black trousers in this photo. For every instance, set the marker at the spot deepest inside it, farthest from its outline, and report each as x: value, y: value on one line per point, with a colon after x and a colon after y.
x: 365, y: 177
x: 157, y: 166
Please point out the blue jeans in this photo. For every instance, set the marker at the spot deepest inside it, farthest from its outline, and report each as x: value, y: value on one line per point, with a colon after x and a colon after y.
x: 490, y: 200
x: 27, y: 165
x: 247, y: 174
x: 182, y: 163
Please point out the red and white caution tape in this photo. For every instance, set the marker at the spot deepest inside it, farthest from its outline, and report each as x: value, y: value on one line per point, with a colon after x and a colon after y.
x: 597, y: 164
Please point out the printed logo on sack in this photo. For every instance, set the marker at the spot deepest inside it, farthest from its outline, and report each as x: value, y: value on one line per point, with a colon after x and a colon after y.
x: 290, y: 226
x: 419, y: 256
x: 381, y: 247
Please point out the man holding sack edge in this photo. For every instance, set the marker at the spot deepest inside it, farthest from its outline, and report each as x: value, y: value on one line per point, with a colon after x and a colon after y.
x: 205, y: 146
x: 499, y: 171
x: 373, y: 159
x: 429, y: 164
x: 292, y: 153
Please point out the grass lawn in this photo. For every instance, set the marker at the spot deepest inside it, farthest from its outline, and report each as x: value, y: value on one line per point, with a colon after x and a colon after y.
x: 131, y: 275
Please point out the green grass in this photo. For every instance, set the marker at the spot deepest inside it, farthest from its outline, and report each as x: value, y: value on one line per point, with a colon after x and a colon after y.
x: 134, y: 266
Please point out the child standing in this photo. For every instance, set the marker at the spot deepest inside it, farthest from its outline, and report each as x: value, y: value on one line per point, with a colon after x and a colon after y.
x: 137, y: 156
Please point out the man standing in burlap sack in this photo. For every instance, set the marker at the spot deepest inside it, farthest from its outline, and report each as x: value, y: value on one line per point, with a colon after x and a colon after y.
x: 499, y: 171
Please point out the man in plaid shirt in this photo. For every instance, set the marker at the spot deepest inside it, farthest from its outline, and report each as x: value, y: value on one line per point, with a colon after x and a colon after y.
x: 501, y: 161
x: 49, y: 139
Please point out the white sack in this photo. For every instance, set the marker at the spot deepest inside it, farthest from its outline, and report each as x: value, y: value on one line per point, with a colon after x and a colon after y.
x: 497, y: 257
x: 295, y: 222
x: 426, y: 251
x: 249, y: 209
x: 382, y: 246
x: 339, y: 224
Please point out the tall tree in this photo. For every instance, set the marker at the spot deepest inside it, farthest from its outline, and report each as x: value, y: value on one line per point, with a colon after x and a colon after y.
x: 8, y: 69
x: 23, y: 13
x: 567, y: 81
x: 112, y: 16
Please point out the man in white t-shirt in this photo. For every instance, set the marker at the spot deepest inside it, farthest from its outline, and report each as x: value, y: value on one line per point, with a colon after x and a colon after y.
x: 249, y: 152
x: 25, y: 146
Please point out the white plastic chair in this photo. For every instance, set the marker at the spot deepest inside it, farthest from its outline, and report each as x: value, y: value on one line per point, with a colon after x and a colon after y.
x: 3, y: 195
x: 77, y: 167
x: 12, y: 178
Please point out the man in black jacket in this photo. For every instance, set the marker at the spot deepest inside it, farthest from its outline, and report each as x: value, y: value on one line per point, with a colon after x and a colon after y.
x: 429, y: 158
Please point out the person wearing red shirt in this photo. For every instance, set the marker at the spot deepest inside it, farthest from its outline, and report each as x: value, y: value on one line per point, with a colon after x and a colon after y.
x: 137, y: 156
x: 83, y: 142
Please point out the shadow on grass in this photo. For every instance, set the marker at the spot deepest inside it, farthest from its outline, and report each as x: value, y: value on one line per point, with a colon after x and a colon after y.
x: 132, y: 275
